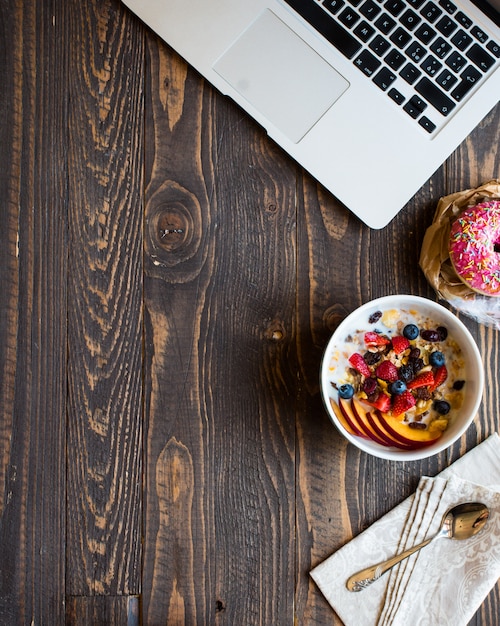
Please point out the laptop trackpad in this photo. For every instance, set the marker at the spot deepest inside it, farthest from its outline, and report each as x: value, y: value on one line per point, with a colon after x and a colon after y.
x: 281, y: 76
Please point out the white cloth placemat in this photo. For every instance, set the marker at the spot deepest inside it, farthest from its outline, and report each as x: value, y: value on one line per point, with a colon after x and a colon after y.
x: 445, y: 582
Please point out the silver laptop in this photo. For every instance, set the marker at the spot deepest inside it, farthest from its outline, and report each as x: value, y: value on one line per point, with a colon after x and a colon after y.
x: 370, y: 96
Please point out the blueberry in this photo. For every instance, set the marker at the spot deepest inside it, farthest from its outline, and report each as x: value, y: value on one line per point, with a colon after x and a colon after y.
x: 406, y: 373
x: 346, y: 391
x: 398, y: 387
x: 458, y: 384
x: 442, y: 407
x: 410, y: 331
x: 436, y: 359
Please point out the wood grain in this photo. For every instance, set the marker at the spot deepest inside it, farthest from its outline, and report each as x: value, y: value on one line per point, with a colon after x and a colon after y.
x: 105, y: 280
x: 103, y: 610
x: 32, y: 320
x: 234, y: 260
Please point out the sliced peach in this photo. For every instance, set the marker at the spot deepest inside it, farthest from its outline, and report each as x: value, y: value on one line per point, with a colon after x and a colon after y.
x: 345, y: 420
x: 362, y: 417
x: 385, y: 435
x: 405, y: 434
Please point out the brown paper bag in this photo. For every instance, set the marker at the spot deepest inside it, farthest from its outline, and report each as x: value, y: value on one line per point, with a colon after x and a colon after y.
x: 436, y: 264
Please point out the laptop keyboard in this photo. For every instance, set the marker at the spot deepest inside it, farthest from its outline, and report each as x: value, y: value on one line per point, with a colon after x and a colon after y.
x: 426, y: 56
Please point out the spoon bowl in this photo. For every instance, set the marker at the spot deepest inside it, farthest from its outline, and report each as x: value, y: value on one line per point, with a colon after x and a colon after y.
x: 466, y: 520
x: 460, y: 522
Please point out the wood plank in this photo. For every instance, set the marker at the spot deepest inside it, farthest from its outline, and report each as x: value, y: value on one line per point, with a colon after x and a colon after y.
x: 105, y: 219
x: 177, y: 575
x: 220, y: 299
x: 103, y: 611
x: 32, y: 316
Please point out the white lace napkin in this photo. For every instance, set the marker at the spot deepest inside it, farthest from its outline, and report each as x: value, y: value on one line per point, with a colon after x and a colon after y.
x: 445, y: 582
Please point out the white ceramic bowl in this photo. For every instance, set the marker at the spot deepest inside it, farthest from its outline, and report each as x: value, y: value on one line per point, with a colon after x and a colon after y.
x: 473, y: 375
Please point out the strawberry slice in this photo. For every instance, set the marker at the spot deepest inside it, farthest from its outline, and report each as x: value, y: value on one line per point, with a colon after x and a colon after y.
x: 400, y: 344
x: 425, y: 379
x: 402, y: 403
x: 359, y: 364
x: 374, y: 339
x: 440, y: 375
x: 387, y: 371
x: 382, y: 402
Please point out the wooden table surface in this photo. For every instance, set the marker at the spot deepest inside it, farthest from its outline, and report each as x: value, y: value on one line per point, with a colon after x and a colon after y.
x: 169, y: 279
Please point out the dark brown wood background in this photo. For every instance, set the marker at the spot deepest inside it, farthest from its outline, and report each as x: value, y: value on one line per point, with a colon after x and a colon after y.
x: 168, y: 280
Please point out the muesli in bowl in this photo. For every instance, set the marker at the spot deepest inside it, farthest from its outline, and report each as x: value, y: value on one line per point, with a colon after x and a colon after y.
x: 402, y: 377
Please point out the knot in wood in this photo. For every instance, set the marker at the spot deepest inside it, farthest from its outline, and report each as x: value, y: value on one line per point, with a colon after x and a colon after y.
x: 219, y: 606
x: 275, y: 331
x: 333, y: 316
x: 172, y: 227
x: 175, y: 226
x: 173, y: 237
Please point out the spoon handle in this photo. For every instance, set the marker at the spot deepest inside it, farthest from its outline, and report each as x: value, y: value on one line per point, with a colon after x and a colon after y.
x: 366, y: 577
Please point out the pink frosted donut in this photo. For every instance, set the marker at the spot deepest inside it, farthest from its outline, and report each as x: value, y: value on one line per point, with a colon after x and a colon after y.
x: 475, y: 247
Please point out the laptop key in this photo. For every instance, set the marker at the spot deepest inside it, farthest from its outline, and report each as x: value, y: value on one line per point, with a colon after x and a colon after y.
x: 410, y: 19
x: 333, y: 32
x: 395, y: 59
x: 394, y: 7
x: 494, y: 48
x: 384, y: 78
x: 416, y: 52
x: 396, y: 95
x: 425, y: 33
x: 480, y: 57
x: 446, y: 80
x: 370, y: 10
x: 431, y: 12
x: 431, y: 65
x: 400, y: 37
x: 367, y: 63
x: 334, y: 6
x: 364, y: 31
x: 379, y: 45
x: 348, y: 17
x: 415, y: 106
x: 440, y: 47
x: 470, y: 76
x: 479, y: 34
x: 462, y: 19
x: 461, y: 40
x: 448, y: 6
x: 455, y: 61
x: 385, y: 23
x: 446, y: 26
x: 439, y: 100
x: 427, y: 124
x: 410, y: 73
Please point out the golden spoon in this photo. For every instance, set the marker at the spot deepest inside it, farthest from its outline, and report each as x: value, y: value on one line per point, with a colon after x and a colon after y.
x: 460, y: 522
